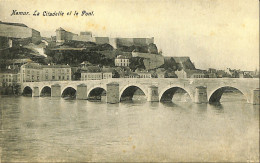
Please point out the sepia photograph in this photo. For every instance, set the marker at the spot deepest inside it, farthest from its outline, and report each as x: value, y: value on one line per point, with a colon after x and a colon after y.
x: 129, y: 81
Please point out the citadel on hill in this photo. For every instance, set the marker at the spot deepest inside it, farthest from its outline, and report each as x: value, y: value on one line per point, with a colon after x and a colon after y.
x: 26, y: 56
x: 65, y: 36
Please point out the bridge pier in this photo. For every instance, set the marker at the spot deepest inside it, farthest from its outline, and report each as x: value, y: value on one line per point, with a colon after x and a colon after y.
x: 35, y: 92
x: 256, y: 96
x: 82, y: 93
x: 113, y: 93
x: 200, y: 95
x: 153, y: 95
x: 56, y: 90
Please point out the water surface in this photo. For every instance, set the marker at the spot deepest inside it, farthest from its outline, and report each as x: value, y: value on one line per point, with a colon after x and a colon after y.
x: 54, y: 129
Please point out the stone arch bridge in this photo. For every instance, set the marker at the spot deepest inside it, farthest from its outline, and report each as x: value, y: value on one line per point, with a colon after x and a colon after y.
x: 201, y: 90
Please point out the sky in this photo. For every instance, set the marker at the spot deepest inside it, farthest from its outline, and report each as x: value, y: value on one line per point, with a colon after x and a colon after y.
x: 213, y: 33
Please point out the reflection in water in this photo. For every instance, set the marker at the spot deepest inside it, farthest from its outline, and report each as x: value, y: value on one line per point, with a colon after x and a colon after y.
x: 54, y: 129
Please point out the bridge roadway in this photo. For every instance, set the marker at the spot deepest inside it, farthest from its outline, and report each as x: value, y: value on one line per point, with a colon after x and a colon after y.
x: 201, y: 90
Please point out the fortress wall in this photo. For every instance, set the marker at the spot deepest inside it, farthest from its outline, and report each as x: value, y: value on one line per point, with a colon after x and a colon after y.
x: 101, y: 40
x: 15, y: 31
x: 125, y: 41
x: 151, y: 61
x: 154, y: 62
x: 150, y: 40
x: 113, y: 42
x: 36, y: 36
x: 131, y: 41
x: 142, y: 55
x: 85, y: 38
x: 69, y: 35
x: 143, y: 41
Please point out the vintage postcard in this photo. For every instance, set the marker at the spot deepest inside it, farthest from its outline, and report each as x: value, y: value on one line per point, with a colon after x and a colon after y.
x: 129, y: 81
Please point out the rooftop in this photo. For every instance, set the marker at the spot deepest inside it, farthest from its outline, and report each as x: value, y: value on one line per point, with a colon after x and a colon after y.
x: 55, y: 66
x: 7, y: 71
x: 91, y: 69
x: 121, y: 57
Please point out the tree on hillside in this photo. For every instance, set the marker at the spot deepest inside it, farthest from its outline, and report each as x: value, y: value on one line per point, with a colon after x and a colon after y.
x: 152, y: 48
x: 170, y: 64
x: 136, y: 62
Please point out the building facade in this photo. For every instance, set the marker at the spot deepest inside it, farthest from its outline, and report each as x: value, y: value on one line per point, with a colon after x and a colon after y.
x: 31, y: 72
x: 34, y: 72
x: 185, y: 73
x: 91, y: 76
x: 9, y: 79
x: 56, y: 73
x: 96, y: 73
x: 122, y: 61
x: 144, y: 75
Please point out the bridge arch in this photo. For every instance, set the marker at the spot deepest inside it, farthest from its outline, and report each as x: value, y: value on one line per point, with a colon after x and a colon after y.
x: 129, y: 90
x: 216, y: 94
x: 27, y: 91
x: 167, y: 93
x: 69, y: 91
x: 95, y: 93
x: 68, y: 86
x: 45, y: 91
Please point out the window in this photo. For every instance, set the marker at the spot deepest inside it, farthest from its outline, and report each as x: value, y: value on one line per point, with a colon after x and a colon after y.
x: 68, y: 77
x: 53, y: 77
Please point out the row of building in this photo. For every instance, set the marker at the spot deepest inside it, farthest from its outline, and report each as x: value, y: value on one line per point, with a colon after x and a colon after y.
x: 34, y: 72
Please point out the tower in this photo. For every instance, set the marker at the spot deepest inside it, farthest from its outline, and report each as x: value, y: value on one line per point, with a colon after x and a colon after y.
x: 60, y: 35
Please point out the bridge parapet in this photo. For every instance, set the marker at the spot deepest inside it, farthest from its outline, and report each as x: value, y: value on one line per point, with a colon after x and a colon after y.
x: 245, y: 85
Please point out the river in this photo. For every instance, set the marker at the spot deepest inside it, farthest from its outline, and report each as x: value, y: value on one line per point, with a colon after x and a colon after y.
x: 54, y: 129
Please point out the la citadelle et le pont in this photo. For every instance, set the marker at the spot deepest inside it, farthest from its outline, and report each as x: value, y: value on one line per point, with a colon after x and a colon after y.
x: 54, y: 13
